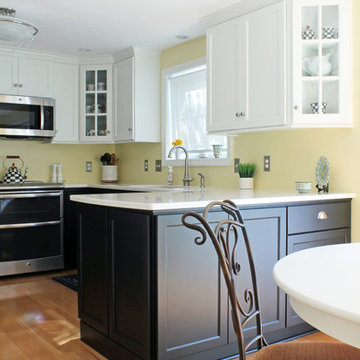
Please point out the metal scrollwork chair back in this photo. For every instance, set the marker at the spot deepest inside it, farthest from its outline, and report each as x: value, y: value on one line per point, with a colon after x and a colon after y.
x: 226, y: 237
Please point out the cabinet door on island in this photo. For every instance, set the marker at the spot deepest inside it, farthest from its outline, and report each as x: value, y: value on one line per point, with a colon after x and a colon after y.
x: 194, y: 319
x: 93, y: 274
x: 192, y: 296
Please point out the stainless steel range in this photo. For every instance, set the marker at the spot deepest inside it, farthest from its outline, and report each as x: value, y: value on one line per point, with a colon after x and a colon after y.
x: 31, y: 228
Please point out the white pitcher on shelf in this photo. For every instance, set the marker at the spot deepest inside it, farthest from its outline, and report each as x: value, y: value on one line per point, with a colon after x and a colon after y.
x: 311, y: 65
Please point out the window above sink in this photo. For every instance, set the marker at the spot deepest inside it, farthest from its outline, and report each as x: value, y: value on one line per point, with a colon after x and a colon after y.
x: 184, y: 117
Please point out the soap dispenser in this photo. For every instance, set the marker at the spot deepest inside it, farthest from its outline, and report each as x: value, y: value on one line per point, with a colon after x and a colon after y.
x: 170, y: 175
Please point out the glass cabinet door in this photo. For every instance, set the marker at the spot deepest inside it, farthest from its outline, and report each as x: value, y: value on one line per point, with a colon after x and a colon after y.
x: 320, y: 53
x: 322, y: 63
x: 96, y: 105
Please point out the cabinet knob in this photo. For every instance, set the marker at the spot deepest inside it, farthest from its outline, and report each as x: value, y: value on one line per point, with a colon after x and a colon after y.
x: 240, y: 114
x: 16, y: 85
x: 322, y: 215
x: 296, y: 107
x: 129, y: 129
x: 21, y: 85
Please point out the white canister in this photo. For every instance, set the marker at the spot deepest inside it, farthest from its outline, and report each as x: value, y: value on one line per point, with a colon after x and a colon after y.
x: 109, y: 174
x: 246, y: 183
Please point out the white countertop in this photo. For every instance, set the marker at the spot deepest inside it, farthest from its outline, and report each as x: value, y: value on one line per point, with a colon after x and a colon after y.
x: 324, y: 288
x: 196, y: 198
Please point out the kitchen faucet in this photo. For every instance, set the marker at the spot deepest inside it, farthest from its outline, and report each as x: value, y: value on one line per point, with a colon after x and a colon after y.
x: 186, y: 179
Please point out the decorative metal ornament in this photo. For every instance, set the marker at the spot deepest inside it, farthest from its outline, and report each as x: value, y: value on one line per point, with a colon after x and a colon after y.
x: 15, y: 33
x: 322, y: 174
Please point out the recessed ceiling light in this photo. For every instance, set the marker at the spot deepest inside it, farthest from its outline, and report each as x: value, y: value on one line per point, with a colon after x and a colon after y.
x: 182, y: 37
x: 84, y: 50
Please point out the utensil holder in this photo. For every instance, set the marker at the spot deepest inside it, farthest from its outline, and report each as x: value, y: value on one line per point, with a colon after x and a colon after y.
x: 109, y: 174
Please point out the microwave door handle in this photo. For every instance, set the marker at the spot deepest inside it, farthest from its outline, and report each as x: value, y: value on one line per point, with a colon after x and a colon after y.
x: 42, y: 117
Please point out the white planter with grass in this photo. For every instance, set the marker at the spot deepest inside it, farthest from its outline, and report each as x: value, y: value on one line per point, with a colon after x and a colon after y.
x: 246, y: 173
x: 246, y: 183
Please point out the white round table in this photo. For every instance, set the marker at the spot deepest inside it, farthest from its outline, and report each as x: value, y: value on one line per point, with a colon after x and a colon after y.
x: 324, y: 288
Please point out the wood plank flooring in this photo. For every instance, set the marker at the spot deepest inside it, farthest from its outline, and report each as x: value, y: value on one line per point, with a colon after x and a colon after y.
x: 38, y: 321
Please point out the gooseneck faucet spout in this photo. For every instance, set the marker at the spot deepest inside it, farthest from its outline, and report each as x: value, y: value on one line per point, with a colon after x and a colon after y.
x: 186, y: 179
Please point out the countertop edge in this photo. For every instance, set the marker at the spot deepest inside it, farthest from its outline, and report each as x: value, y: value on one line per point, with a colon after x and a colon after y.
x: 155, y: 206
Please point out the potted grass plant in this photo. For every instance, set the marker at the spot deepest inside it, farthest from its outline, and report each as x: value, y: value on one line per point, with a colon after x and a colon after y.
x: 246, y: 173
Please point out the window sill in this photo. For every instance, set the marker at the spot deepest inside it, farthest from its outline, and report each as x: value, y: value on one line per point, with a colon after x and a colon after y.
x: 197, y: 162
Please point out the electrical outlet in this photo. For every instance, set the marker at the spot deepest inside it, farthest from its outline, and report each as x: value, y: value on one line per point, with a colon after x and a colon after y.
x: 146, y: 165
x: 158, y: 165
x: 267, y: 163
x: 236, y: 165
x: 88, y: 166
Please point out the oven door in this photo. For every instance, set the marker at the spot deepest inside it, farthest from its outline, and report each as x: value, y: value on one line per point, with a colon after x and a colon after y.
x: 31, y: 247
x: 31, y: 231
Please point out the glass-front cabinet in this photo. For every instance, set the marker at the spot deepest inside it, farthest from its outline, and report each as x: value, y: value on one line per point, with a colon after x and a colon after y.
x: 95, y: 111
x: 322, y: 64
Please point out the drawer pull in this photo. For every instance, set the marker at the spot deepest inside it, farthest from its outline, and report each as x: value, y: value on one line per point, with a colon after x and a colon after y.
x: 322, y: 215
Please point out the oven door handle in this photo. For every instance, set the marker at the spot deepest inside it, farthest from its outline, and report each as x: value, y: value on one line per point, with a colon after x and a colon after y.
x: 26, y: 225
x: 31, y: 195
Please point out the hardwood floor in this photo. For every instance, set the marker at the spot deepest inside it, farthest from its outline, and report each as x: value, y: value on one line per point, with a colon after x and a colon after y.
x: 38, y: 321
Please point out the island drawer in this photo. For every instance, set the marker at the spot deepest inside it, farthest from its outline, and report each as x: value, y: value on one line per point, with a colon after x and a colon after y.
x: 319, y: 217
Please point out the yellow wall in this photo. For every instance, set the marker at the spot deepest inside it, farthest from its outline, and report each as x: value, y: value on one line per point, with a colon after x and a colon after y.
x: 38, y: 157
x: 293, y: 152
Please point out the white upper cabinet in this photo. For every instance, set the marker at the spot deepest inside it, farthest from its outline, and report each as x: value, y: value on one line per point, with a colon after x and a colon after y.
x: 124, y: 100
x: 96, y: 103
x: 35, y: 77
x: 288, y: 64
x: 8, y: 75
x: 137, y: 96
x: 66, y: 93
x: 246, y: 71
x: 26, y: 76
x: 322, y: 63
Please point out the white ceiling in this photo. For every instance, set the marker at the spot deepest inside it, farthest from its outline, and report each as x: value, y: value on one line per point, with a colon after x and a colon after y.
x: 107, y: 26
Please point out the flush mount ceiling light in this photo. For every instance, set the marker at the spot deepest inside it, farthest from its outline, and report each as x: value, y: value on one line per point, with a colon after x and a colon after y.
x: 14, y: 32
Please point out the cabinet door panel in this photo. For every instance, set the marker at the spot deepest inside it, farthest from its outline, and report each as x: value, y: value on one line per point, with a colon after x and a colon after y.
x: 225, y: 96
x: 124, y: 100
x: 130, y: 281
x: 306, y: 241
x: 192, y: 296
x: 35, y: 77
x: 266, y: 230
x: 93, y: 274
x: 266, y: 67
x: 8, y: 75
x: 66, y: 92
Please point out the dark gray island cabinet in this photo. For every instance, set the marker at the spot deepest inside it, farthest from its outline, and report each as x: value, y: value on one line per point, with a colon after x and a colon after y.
x: 147, y: 291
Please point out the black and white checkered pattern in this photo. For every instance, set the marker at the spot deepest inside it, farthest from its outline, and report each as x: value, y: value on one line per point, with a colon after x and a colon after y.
x: 308, y: 34
x: 13, y: 176
x: 328, y: 32
x: 314, y: 107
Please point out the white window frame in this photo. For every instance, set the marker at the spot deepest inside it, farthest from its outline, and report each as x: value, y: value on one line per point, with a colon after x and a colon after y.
x: 165, y: 111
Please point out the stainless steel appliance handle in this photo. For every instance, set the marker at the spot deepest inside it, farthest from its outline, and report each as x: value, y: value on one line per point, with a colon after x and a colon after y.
x: 26, y: 225
x: 42, y: 117
x: 28, y: 195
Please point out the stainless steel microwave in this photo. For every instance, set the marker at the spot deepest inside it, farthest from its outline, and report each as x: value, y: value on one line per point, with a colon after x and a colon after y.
x: 24, y: 116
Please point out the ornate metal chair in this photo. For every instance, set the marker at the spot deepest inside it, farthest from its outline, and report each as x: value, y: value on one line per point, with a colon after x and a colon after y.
x: 226, y: 237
